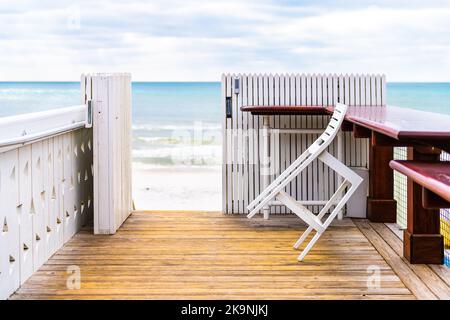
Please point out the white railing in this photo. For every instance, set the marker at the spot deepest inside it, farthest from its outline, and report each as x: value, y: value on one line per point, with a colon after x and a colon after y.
x: 28, y: 128
x: 46, y: 188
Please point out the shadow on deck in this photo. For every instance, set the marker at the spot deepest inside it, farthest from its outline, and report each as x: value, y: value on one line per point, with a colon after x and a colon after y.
x: 207, y: 255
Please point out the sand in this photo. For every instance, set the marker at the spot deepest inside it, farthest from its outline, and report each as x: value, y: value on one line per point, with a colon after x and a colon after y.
x: 177, y: 187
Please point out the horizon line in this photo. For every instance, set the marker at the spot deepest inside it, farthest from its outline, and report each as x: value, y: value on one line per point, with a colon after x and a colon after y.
x: 183, y: 81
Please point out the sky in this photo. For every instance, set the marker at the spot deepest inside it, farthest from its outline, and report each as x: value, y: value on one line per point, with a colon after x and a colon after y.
x: 194, y: 40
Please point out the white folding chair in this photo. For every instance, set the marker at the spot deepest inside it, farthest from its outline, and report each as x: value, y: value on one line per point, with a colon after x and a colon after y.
x: 316, y: 151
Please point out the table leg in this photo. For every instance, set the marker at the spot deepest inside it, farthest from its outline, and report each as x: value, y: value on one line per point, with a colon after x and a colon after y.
x: 381, y: 206
x: 265, y: 163
x: 340, y: 156
x: 422, y: 240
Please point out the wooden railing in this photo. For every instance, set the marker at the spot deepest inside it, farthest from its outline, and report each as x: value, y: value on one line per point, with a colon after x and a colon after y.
x: 46, y: 192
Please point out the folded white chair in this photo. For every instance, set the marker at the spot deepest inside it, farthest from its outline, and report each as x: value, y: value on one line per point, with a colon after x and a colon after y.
x: 316, y: 151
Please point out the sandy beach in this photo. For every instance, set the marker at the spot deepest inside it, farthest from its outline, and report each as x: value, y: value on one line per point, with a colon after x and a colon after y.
x: 177, y: 188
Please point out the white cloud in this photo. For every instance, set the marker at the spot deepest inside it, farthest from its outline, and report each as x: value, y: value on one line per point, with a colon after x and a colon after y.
x: 195, y: 40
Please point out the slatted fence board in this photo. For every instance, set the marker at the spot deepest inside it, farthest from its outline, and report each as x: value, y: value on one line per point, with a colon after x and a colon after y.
x: 242, y: 144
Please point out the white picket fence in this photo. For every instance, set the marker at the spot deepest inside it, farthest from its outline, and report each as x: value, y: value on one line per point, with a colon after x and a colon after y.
x: 242, y: 139
x: 45, y: 188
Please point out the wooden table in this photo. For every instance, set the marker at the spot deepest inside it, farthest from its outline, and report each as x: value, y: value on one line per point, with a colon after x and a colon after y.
x: 387, y: 127
x: 287, y: 110
x: 403, y: 124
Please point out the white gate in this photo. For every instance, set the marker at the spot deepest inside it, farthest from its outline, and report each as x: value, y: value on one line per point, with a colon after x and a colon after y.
x: 242, y: 143
x: 111, y: 101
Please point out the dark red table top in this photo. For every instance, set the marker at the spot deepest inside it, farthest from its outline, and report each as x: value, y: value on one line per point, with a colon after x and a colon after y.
x: 401, y: 123
x: 286, y: 110
x: 395, y: 122
x: 434, y: 176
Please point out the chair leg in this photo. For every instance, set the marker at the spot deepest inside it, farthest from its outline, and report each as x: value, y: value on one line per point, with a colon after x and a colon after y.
x: 337, y: 193
x: 327, y: 222
x: 309, y: 246
x: 303, y: 237
x: 340, y: 205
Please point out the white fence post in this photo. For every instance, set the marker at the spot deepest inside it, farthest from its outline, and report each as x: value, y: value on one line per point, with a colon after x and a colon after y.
x: 111, y: 100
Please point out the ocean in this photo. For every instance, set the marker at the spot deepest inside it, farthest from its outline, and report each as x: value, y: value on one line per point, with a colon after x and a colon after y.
x: 178, y: 123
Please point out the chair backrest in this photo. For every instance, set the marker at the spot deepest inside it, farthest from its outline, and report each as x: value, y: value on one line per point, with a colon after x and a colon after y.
x: 331, y: 130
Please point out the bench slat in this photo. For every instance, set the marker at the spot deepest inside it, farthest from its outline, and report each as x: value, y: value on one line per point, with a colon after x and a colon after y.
x: 434, y: 176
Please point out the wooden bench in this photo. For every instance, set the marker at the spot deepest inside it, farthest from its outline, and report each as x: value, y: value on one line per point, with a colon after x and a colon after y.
x: 430, y: 181
x: 434, y: 177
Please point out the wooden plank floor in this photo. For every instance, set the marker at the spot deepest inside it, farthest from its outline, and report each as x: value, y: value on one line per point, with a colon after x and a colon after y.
x: 207, y: 255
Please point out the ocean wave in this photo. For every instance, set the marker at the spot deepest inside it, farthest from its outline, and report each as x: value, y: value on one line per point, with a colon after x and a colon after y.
x: 172, y: 127
x: 141, y: 142
x: 180, y: 155
x: 25, y: 91
x: 180, y: 167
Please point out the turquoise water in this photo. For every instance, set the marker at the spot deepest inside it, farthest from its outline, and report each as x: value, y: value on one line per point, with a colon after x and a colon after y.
x: 24, y: 97
x: 178, y: 102
x: 179, y: 123
x: 433, y: 97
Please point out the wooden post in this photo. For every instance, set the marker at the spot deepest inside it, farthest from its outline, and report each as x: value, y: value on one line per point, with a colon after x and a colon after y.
x: 422, y: 240
x: 381, y: 206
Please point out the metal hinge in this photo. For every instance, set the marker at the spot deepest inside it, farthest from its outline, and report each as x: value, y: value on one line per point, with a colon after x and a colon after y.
x: 229, y: 107
x: 89, y: 114
x: 237, y: 85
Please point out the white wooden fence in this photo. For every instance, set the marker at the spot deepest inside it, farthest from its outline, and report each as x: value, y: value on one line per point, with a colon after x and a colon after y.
x: 45, y: 188
x: 56, y: 174
x: 242, y: 145
x: 111, y: 101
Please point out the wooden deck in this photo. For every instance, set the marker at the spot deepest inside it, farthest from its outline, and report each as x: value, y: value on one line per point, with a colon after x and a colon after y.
x: 207, y: 255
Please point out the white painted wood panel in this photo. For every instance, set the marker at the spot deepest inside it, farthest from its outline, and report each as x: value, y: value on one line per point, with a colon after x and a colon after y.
x: 25, y: 216
x: 229, y: 155
x: 111, y: 144
x: 9, y: 223
x: 225, y: 142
